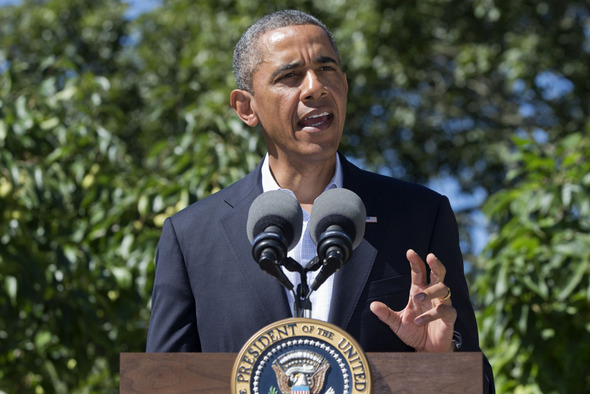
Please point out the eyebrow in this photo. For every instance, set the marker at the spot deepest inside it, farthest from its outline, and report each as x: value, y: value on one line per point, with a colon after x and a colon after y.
x: 296, y: 64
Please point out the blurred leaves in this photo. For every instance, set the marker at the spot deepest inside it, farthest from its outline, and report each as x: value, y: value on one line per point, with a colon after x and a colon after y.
x: 109, y: 125
x: 534, y: 288
x: 97, y: 151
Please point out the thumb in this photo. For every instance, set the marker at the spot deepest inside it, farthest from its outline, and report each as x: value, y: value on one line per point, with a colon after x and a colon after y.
x: 385, y: 314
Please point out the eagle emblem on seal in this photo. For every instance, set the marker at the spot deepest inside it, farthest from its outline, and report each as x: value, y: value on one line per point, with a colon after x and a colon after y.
x: 301, y: 372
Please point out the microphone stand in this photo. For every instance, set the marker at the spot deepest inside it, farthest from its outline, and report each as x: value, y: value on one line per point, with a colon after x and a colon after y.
x: 302, y: 303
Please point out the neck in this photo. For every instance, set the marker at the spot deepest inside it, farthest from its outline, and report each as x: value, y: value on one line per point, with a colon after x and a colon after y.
x: 306, y: 181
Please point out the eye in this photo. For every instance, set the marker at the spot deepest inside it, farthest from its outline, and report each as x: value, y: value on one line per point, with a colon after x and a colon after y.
x: 287, y: 76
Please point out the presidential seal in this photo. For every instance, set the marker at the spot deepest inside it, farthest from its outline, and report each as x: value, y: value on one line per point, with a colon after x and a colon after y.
x: 300, y: 355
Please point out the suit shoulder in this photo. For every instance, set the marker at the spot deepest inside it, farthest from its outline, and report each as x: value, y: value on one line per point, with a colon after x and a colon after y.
x: 224, y: 200
x: 379, y: 184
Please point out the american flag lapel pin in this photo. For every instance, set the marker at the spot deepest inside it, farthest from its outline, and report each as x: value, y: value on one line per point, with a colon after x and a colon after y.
x: 371, y: 219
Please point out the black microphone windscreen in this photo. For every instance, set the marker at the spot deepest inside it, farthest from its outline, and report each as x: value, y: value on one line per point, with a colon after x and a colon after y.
x: 275, y: 208
x: 340, y: 207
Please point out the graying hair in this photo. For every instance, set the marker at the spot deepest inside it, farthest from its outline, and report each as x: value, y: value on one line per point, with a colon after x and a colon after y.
x: 247, y: 57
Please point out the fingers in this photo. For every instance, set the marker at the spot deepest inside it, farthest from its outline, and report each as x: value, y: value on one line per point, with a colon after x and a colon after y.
x: 419, y: 274
x: 437, y: 300
x: 439, y: 291
x: 437, y: 269
x: 418, y: 268
x: 385, y: 314
x: 380, y: 310
x: 444, y: 312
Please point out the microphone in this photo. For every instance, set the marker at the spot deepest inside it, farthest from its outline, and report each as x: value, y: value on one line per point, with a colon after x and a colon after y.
x: 274, y: 227
x: 337, y: 226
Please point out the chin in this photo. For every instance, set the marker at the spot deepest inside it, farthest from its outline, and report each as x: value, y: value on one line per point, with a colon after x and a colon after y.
x: 322, y: 153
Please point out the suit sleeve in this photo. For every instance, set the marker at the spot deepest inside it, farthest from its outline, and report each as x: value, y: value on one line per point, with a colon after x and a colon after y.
x: 445, y: 245
x: 173, y: 323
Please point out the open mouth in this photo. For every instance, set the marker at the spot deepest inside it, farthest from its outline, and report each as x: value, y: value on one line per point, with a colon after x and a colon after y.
x: 317, y: 120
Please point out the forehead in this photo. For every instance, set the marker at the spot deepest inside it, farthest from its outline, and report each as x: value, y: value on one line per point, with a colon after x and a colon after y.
x: 294, y: 43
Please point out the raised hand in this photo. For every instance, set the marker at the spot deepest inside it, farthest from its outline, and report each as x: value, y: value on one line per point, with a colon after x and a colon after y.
x: 427, y: 321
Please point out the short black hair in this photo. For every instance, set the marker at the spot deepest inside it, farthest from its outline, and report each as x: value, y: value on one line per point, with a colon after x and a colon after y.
x: 246, y: 55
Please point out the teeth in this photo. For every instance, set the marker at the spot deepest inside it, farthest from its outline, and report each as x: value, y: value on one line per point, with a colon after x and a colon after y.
x: 317, y: 116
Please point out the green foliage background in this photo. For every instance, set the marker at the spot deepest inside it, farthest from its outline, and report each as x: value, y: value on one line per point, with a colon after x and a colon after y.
x: 109, y: 124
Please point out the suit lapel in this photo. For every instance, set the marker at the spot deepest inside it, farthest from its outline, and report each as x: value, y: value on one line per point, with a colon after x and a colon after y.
x: 351, y: 279
x: 349, y: 283
x: 265, y: 292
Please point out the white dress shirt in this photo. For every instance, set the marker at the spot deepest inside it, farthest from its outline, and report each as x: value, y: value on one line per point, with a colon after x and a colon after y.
x: 305, y: 250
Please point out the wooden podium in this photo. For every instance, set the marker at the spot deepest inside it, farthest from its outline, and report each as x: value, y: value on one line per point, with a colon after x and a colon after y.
x: 210, y: 372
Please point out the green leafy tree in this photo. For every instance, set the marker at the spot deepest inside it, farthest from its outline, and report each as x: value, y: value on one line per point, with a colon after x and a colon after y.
x: 535, y: 286
x: 93, y: 159
x: 72, y: 274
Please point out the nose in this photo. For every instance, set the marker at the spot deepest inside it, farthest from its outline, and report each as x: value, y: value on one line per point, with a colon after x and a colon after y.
x: 312, y: 87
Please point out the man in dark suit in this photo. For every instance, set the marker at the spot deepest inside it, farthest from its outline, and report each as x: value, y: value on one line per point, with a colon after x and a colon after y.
x: 209, y: 295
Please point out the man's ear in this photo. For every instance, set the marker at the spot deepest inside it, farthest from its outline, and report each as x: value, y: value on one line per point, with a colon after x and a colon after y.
x: 241, y: 102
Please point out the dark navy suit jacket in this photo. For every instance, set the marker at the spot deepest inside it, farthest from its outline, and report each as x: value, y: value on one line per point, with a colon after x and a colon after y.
x: 209, y: 295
